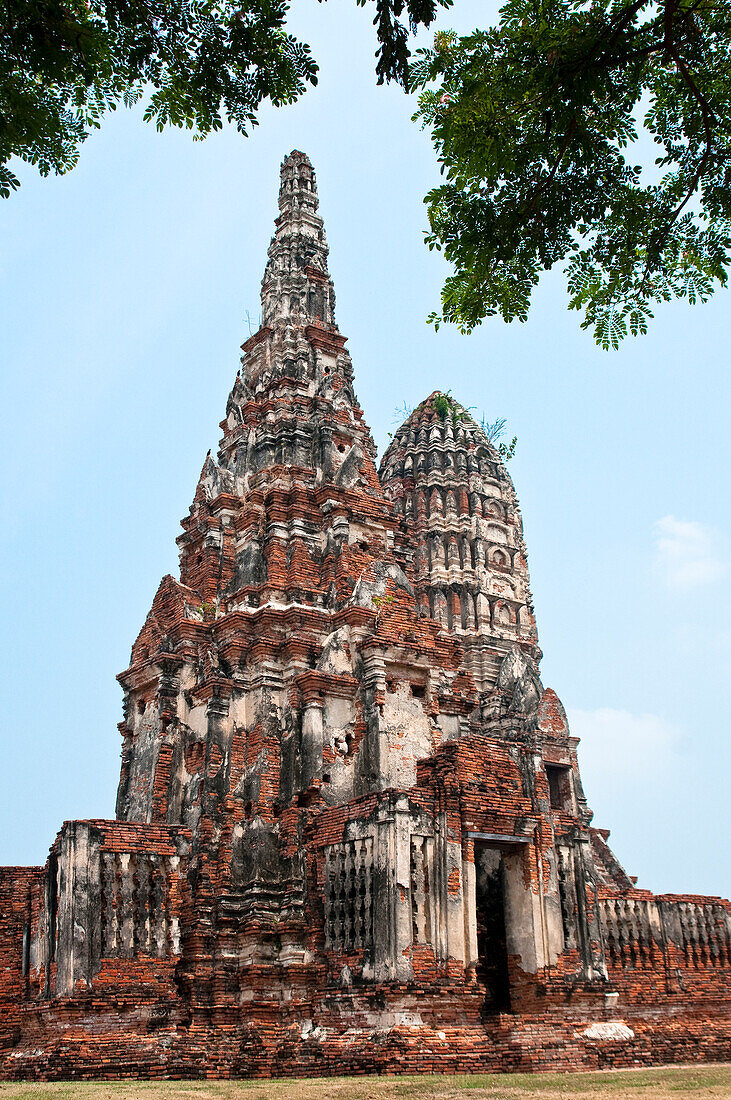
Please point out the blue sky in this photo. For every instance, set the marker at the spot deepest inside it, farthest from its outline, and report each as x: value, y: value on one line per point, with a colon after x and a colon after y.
x: 124, y: 290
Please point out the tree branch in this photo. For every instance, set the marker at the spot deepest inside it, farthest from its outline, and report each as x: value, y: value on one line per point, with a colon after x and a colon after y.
x: 709, y: 119
x: 542, y: 187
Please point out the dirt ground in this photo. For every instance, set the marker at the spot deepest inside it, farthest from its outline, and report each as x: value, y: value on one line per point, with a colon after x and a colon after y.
x: 669, y: 1083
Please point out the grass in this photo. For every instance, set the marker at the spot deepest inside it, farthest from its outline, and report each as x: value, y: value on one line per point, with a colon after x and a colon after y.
x: 669, y: 1083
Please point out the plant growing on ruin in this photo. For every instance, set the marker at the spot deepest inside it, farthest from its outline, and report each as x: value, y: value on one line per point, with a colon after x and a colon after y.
x: 543, y: 125
x: 402, y: 412
x: 442, y: 406
x: 65, y: 63
x: 494, y: 433
x: 507, y: 450
x: 445, y: 405
x: 379, y: 602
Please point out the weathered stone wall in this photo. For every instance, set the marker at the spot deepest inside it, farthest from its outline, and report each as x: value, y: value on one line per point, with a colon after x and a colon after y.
x: 111, y: 892
x: 667, y: 948
x: 19, y: 893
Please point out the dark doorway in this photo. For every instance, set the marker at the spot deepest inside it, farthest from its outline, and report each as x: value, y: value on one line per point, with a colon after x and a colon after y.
x: 492, y: 966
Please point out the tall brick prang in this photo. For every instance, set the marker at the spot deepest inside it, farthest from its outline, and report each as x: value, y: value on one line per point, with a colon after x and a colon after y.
x: 351, y: 833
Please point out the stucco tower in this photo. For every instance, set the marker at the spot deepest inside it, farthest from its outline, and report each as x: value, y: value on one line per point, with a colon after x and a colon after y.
x: 463, y: 534
x: 289, y: 669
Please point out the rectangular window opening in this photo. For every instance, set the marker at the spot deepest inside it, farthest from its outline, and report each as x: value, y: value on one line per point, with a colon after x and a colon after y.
x: 559, y: 787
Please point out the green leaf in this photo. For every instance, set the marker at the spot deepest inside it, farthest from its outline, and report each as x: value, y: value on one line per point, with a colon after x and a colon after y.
x: 535, y: 124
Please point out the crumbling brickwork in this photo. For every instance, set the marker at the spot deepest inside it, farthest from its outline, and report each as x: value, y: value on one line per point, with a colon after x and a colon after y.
x: 351, y: 833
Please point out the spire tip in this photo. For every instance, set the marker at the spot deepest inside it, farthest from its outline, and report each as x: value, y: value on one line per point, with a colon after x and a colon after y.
x: 298, y: 186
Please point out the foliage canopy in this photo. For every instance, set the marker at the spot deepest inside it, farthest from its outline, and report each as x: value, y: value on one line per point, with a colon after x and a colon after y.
x: 64, y: 63
x: 540, y: 124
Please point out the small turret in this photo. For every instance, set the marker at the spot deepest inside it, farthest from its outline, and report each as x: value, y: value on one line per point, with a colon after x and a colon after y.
x: 463, y: 527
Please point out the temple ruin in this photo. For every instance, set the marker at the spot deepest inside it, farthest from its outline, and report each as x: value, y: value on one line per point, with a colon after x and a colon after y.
x: 351, y: 833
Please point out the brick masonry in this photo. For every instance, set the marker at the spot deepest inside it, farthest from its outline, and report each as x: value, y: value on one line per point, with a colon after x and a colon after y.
x: 351, y: 834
